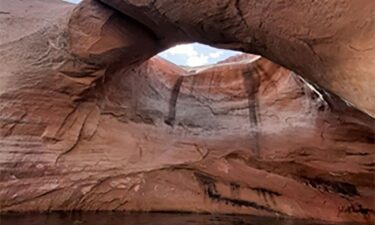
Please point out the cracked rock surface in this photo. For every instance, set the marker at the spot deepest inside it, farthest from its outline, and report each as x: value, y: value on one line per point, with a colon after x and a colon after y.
x: 90, y: 120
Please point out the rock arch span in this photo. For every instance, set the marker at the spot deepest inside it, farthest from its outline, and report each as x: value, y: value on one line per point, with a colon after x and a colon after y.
x: 83, y: 111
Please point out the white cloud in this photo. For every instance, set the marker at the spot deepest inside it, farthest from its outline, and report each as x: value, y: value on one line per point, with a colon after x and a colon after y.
x: 187, y: 49
x: 193, y: 57
x: 198, y: 60
x: 195, y: 54
x: 216, y: 54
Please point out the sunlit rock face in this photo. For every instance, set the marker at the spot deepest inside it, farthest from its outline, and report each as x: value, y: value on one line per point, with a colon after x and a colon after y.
x: 88, y: 121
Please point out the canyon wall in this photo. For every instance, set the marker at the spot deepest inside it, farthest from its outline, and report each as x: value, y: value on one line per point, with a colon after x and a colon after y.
x: 89, y: 120
x: 328, y: 42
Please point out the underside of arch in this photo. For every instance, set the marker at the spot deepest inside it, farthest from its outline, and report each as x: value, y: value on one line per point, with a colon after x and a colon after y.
x: 91, y: 120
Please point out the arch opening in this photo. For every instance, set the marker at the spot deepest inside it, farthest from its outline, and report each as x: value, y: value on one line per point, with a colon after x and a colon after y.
x: 236, y: 137
x: 331, y: 55
x: 195, y: 55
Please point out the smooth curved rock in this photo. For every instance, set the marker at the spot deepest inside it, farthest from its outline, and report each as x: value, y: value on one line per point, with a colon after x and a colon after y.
x: 88, y: 123
x: 330, y: 43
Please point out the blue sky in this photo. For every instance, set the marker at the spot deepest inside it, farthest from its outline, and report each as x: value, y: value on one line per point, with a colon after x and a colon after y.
x: 196, y: 54
x: 191, y: 54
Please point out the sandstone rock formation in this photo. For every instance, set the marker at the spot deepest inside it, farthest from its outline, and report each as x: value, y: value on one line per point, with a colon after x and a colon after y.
x: 88, y: 121
x: 327, y: 42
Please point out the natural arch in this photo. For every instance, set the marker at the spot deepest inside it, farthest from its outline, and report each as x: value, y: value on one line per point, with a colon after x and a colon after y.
x: 328, y: 43
x: 90, y: 121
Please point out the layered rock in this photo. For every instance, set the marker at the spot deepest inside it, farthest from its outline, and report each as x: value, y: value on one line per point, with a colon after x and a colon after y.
x: 88, y: 122
x: 329, y: 43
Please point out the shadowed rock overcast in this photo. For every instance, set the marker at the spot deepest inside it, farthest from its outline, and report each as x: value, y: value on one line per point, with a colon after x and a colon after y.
x: 91, y: 119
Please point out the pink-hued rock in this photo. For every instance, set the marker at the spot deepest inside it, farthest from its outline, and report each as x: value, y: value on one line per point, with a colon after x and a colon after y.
x: 330, y: 43
x: 88, y: 121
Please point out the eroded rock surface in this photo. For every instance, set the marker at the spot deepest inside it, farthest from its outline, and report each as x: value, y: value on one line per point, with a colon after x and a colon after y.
x: 328, y: 42
x: 89, y: 122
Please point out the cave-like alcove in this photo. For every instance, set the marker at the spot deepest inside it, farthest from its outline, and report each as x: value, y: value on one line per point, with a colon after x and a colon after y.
x: 93, y: 119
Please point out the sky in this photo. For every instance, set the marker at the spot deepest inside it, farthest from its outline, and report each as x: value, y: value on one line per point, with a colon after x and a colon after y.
x: 194, y: 54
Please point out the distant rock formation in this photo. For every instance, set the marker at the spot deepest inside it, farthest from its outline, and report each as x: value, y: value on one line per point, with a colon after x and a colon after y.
x: 90, y: 120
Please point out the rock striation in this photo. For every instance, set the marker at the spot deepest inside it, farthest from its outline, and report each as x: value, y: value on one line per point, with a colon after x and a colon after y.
x: 329, y: 43
x: 90, y: 120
